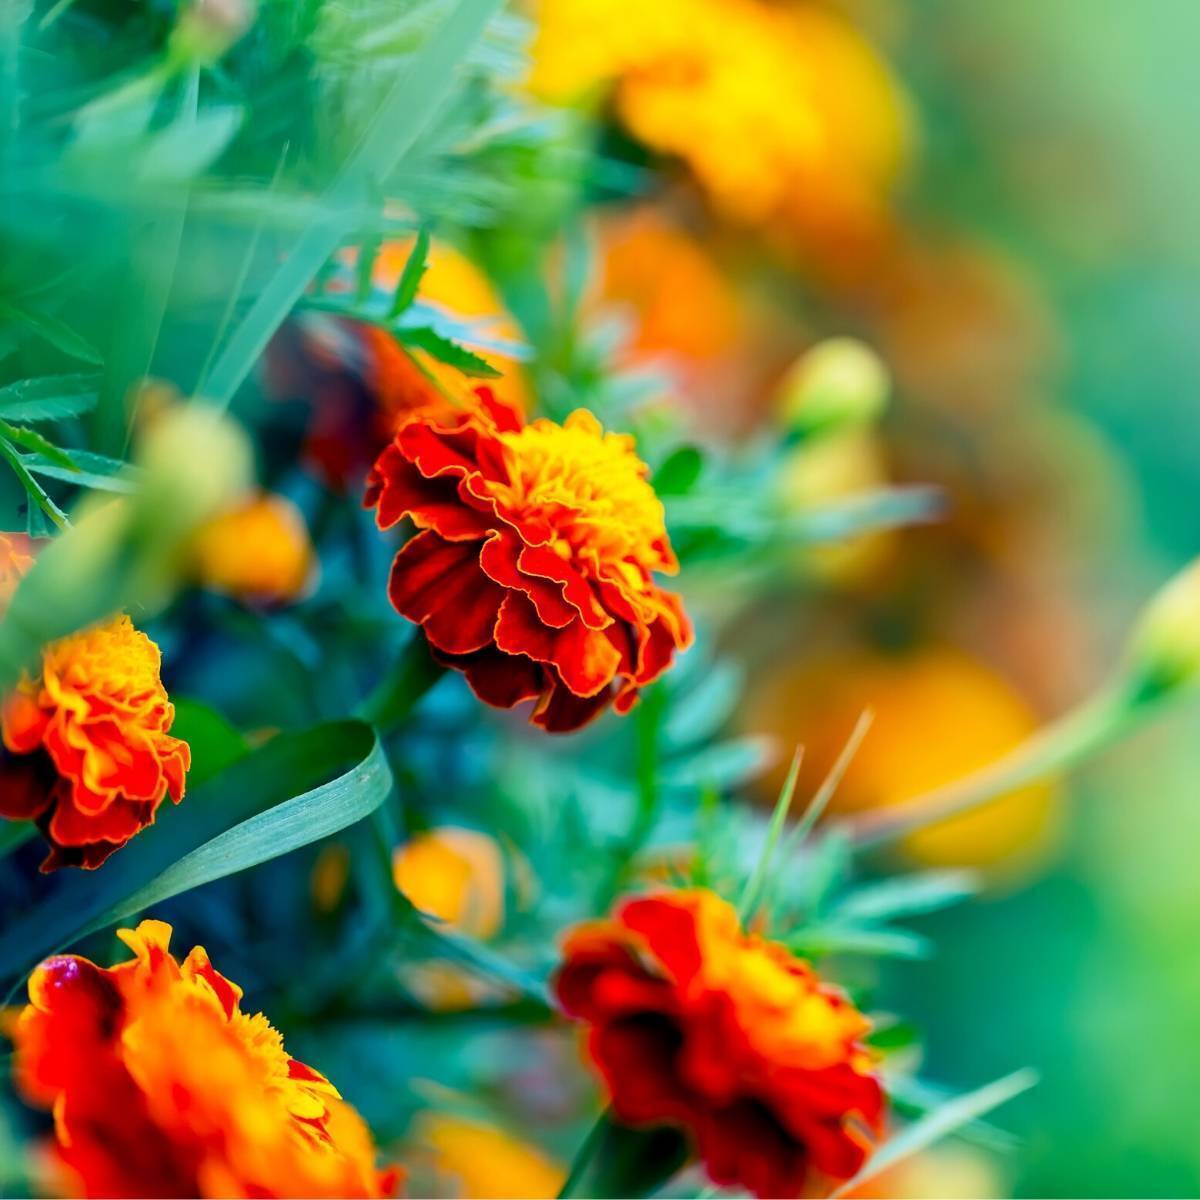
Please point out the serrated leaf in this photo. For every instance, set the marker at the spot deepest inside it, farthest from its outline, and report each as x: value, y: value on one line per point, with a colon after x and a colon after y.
x: 410, y: 278
x: 33, y: 441
x: 907, y: 895
x: 940, y: 1123
x: 49, y: 397
x: 437, y: 345
x: 272, y: 801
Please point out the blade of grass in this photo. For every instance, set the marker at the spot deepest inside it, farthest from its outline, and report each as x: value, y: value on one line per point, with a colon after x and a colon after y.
x: 752, y: 892
x: 403, y: 115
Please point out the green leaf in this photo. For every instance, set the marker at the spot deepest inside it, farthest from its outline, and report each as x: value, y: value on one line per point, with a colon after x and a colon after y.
x: 752, y: 892
x: 680, y: 472
x: 615, y: 1160
x: 30, y: 439
x: 298, y: 788
x: 818, y: 941
x: 49, y: 397
x: 907, y: 895
x: 444, y: 349
x: 37, y: 493
x: 947, y: 1119
x: 411, y: 276
x: 215, y: 743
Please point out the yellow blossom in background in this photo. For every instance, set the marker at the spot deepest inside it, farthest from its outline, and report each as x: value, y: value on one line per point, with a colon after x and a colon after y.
x: 476, y: 1161
x: 456, y: 875
x: 259, y: 551
x: 783, y: 112
x: 939, y: 715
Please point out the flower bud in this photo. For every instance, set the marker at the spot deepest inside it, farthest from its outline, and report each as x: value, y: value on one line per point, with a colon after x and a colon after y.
x: 839, y: 382
x: 1164, y: 649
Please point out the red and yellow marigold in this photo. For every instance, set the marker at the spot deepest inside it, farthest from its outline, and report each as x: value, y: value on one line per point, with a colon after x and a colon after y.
x: 533, y: 568
x: 161, y: 1085
x: 697, y: 1024
x: 85, y: 744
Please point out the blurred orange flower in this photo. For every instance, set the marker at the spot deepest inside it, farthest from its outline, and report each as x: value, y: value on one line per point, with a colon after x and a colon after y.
x: 87, y: 750
x: 939, y: 715
x: 482, y: 1162
x: 162, y: 1086
x: 697, y: 1024
x: 782, y: 111
x: 259, y: 551
x: 455, y: 874
x: 16, y: 557
x: 533, y: 571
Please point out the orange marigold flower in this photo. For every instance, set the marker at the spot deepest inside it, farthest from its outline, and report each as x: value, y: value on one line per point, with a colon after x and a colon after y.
x: 162, y: 1086
x: 533, y: 568
x: 16, y: 557
x: 697, y: 1024
x: 86, y: 749
x: 258, y: 551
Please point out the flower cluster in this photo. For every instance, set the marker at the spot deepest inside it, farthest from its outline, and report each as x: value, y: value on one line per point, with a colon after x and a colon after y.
x: 86, y: 749
x: 533, y: 568
x: 694, y: 1023
x: 162, y: 1086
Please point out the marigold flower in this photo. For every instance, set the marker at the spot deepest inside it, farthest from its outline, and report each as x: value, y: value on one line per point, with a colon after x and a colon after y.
x: 533, y: 571
x: 783, y: 112
x: 697, y: 1024
x: 258, y: 551
x: 457, y: 875
x: 86, y: 749
x: 162, y: 1086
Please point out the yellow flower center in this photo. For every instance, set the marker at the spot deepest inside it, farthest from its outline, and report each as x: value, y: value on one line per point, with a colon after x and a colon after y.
x: 592, y: 489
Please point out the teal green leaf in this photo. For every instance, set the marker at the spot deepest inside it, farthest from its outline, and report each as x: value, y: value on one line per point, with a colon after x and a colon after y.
x: 411, y: 276
x: 446, y: 350
x: 49, y: 397
x: 297, y: 789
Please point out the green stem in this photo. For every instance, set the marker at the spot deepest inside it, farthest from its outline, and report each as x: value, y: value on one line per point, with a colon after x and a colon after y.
x: 400, y: 690
x: 1062, y: 744
x: 616, y: 1161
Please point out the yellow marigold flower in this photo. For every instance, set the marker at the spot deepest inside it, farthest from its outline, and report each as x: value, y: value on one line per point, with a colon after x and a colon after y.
x: 162, y: 1086
x: 456, y: 875
x: 938, y: 715
x: 86, y: 747
x: 258, y: 551
x: 474, y: 1161
x: 782, y: 111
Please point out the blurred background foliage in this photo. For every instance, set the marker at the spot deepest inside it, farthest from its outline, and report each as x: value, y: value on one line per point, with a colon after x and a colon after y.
x: 1018, y: 277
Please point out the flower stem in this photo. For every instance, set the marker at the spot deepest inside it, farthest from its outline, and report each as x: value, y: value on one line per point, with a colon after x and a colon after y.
x: 1062, y: 744
x: 616, y: 1161
x: 402, y: 687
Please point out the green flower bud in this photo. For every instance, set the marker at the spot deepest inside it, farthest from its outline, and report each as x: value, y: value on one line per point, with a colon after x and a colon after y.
x: 1164, y: 649
x: 838, y: 383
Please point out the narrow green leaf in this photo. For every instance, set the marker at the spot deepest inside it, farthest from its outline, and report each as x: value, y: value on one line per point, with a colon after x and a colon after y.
x: 874, y: 942
x: 615, y: 1160
x: 31, y: 440
x: 907, y: 895
x: 57, y: 333
x: 947, y: 1119
x: 410, y: 278
x: 752, y: 892
x: 37, y: 493
x: 298, y: 788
